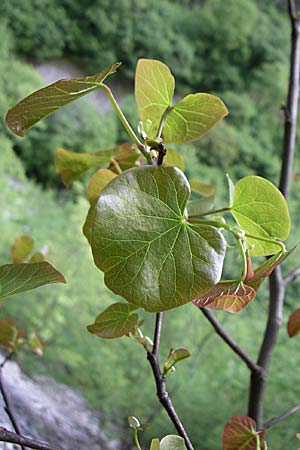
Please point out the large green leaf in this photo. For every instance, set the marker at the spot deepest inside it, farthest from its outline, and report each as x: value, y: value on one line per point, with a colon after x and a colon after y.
x: 154, y: 89
x: 172, y: 442
x: 192, y: 117
x: 16, y: 278
x: 49, y: 99
x: 71, y: 165
x: 261, y: 210
x: 142, y: 242
x: 116, y: 321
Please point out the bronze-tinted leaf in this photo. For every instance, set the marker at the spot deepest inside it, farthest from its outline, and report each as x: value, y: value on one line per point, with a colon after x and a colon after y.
x: 8, y: 333
x: 49, y: 99
x: 126, y: 156
x: 21, y: 248
x: 226, y: 295
x: 266, y: 268
x: 293, y: 325
x: 71, y: 165
x: 240, y: 434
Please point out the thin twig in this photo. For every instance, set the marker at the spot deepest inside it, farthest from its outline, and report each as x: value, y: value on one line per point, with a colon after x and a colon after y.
x: 290, y: 277
x: 281, y: 417
x: 9, y: 436
x: 160, y: 382
x: 220, y: 330
x: 7, y: 404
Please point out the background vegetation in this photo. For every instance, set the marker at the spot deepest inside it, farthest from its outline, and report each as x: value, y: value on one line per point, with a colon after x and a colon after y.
x: 237, y: 50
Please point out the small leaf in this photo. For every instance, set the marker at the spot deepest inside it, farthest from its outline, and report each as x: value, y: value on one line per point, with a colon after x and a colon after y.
x: 126, y: 156
x: 115, y: 321
x: 154, y: 89
x: 49, y: 99
x: 142, y: 242
x: 261, y: 210
x: 37, y: 257
x: 266, y: 268
x: 180, y: 353
x: 21, y: 248
x: 240, y: 434
x: 133, y: 422
x: 8, y: 333
x: 173, y: 158
x: 192, y: 117
x: 200, y: 206
x: 226, y: 295
x: 293, y: 325
x: 97, y: 183
x: 231, y: 190
x: 199, y: 187
x: 16, y: 278
x: 155, y: 444
x: 172, y: 442
x: 71, y: 165
x: 36, y: 344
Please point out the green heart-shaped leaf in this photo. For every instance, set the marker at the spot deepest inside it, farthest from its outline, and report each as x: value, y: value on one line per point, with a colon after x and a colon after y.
x: 261, y: 210
x: 154, y: 89
x: 192, y: 117
x: 71, y: 165
x: 228, y: 296
x: 16, y: 278
x: 49, y: 99
x: 97, y: 183
x: 115, y: 321
x: 142, y: 242
x: 172, y: 443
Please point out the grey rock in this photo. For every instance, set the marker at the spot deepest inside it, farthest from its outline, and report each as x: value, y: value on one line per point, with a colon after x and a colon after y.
x: 52, y: 413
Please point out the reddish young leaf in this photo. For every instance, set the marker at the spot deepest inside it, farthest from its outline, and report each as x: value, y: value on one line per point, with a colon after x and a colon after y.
x: 293, y: 325
x: 8, y: 333
x: 266, y: 268
x: 127, y: 156
x: 228, y: 296
x: 240, y: 434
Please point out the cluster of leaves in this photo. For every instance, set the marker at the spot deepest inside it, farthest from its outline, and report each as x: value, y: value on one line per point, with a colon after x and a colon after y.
x: 28, y: 271
x: 140, y: 227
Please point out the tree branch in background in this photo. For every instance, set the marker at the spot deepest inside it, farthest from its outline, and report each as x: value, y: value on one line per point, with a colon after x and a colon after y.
x: 290, y: 277
x: 160, y: 382
x: 276, y: 282
x: 7, y: 404
x: 220, y: 330
x: 283, y: 416
x: 9, y: 436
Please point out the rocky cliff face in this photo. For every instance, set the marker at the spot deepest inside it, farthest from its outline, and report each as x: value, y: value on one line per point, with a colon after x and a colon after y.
x: 52, y: 413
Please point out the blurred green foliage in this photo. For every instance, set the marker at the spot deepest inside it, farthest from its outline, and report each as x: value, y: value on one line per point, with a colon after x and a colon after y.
x: 237, y: 50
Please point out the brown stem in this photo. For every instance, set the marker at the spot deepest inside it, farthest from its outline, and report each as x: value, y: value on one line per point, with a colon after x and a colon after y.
x: 290, y: 277
x: 276, y: 283
x: 160, y: 382
x: 281, y: 417
x: 7, y: 403
x: 9, y: 436
x: 220, y: 330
